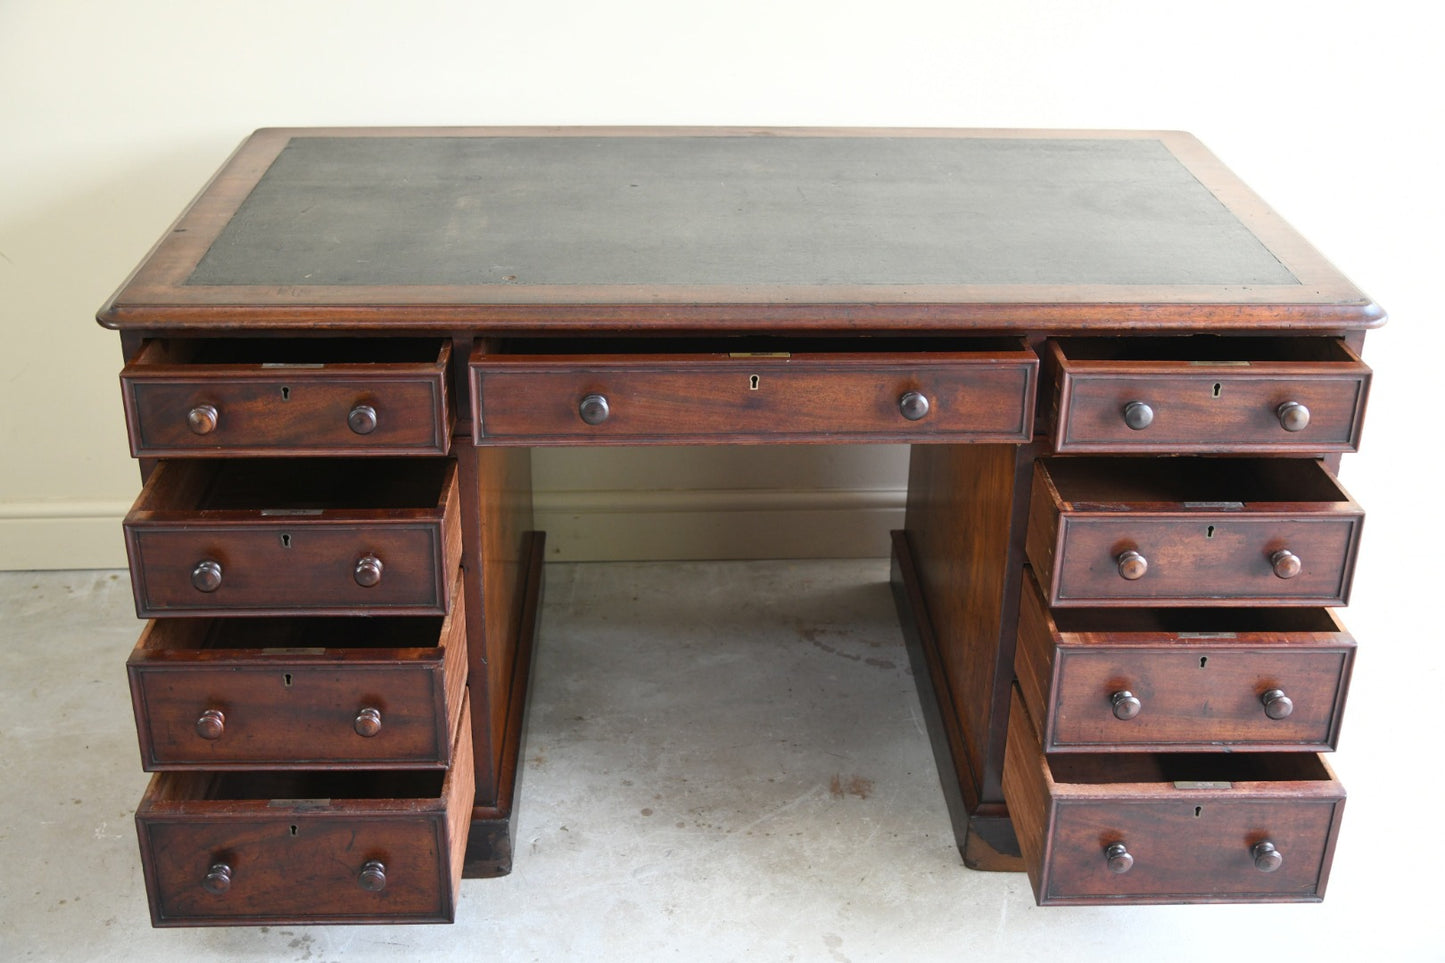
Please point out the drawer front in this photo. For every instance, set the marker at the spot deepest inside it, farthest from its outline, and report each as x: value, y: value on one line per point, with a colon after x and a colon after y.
x: 215, y: 855
x: 1172, y: 406
x: 1123, y: 828
x: 197, y: 548
x: 174, y: 409
x: 243, y: 704
x: 978, y: 396
x: 1203, y: 558
x: 1196, y: 680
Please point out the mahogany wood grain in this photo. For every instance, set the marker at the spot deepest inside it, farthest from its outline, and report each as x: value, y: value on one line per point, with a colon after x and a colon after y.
x: 289, y: 691
x: 289, y: 397
x: 291, y: 855
x: 1199, y: 675
x: 1208, y: 530
x: 1190, y: 822
x: 1207, y: 395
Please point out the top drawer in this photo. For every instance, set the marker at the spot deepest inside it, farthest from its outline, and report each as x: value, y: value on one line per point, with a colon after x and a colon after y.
x: 1207, y: 394
x: 278, y: 396
x: 646, y: 392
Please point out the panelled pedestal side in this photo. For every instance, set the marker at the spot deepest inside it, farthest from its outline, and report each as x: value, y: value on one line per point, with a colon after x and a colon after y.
x: 1139, y: 604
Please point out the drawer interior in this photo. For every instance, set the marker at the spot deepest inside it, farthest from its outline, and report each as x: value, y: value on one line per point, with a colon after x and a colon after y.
x: 296, y: 634
x: 300, y: 786
x: 292, y: 352
x: 1103, y: 482
x: 1178, y: 767
x: 1206, y: 349
x: 1194, y: 621
x: 753, y: 346
x: 299, y: 485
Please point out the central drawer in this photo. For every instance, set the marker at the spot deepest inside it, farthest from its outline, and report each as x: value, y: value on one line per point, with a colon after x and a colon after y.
x: 618, y: 392
x: 1191, y: 531
x: 267, y: 693
x: 295, y: 536
x: 307, y: 847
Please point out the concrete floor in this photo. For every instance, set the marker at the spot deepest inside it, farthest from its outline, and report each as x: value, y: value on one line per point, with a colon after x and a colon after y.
x: 724, y: 761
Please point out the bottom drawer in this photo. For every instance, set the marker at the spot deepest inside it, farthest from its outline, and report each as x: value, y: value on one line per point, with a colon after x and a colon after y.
x: 307, y: 847
x: 1170, y: 828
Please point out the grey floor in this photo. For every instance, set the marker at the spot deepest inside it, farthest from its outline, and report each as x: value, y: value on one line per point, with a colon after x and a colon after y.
x: 724, y: 761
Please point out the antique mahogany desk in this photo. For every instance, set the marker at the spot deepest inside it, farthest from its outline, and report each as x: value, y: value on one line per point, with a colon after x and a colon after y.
x: 1126, y: 381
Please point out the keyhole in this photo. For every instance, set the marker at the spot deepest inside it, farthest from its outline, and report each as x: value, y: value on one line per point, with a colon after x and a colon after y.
x: 286, y: 678
x: 285, y: 540
x: 753, y: 382
x: 1198, y: 811
x: 1217, y: 387
x: 293, y: 829
x: 286, y: 392
x: 1203, y: 661
x: 1209, y: 532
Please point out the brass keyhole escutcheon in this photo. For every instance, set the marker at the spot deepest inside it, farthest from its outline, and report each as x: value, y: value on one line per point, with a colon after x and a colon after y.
x: 753, y: 382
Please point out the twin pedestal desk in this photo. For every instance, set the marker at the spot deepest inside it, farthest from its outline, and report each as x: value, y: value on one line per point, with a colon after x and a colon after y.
x: 1126, y: 383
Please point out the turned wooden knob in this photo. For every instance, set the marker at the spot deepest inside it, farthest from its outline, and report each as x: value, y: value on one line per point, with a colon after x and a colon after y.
x: 1126, y: 704
x: 1293, y: 416
x: 206, y: 576
x: 367, y: 722
x: 211, y: 725
x: 1277, y: 705
x: 1138, y: 415
x: 218, y: 879
x: 1118, y: 857
x: 202, y: 419
x: 362, y: 419
x: 1267, y: 859
x: 913, y: 405
x: 594, y: 409
x: 1132, y: 565
x: 368, y: 571
x: 372, y: 877
x: 1286, y: 564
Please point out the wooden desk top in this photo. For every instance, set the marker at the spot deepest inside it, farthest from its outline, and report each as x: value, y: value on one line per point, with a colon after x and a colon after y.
x: 729, y: 229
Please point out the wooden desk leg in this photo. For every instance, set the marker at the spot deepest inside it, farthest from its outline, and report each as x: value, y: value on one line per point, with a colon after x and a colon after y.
x: 957, y: 570
x: 502, y: 558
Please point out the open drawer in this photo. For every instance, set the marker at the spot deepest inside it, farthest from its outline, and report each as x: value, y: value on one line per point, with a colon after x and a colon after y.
x: 307, y: 847
x: 1170, y: 828
x: 1182, y: 679
x: 1191, y: 531
x: 295, y: 536
x: 268, y: 693
x: 288, y: 396
x: 1206, y: 394
x: 753, y: 391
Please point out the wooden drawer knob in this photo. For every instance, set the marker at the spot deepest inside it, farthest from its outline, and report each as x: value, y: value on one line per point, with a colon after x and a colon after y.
x: 1132, y: 565
x: 367, y: 722
x: 1118, y: 858
x: 362, y: 419
x: 594, y: 409
x: 206, y: 576
x: 913, y: 405
x: 211, y: 725
x: 202, y: 419
x: 1126, y: 704
x: 1293, y: 416
x: 218, y: 879
x: 368, y: 571
x: 372, y: 877
x: 1138, y: 415
x: 1267, y: 859
x: 1277, y: 705
x: 1286, y: 564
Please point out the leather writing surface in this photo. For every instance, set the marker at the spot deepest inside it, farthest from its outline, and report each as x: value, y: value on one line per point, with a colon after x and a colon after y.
x: 732, y: 210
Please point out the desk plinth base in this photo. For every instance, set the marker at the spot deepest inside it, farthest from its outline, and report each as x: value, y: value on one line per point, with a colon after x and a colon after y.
x: 983, y: 831
x: 490, y: 843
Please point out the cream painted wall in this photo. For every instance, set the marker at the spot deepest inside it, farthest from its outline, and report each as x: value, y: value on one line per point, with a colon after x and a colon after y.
x: 114, y: 113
